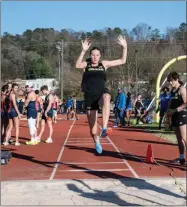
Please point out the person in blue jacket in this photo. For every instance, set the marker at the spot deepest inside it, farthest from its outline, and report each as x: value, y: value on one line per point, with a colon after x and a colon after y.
x: 68, y: 106
x: 124, y: 107
x: 163, y: 104
x: 120, y: 107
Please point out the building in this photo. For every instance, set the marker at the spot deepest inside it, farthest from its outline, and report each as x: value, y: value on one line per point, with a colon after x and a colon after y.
x: 52, y: 83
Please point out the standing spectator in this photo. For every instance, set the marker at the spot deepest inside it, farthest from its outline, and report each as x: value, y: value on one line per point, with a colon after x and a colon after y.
x: 21, y: 101
x: 68, y: 106
x: 74, y: 108
x: 163, y: 104
x: 60, y: 106
x: 39, y: 107
x: 55, y: 107
x: 178, y: 113
x: 128, y: 108
x: 120, y: 107
x: 13, y: 114
x: 116, y: 103
x: 9, y: 84
x: 138, y: 108
x: 47, y: 113
x: 4, y: 115
x: 31, y: 106
x: 124, y: 107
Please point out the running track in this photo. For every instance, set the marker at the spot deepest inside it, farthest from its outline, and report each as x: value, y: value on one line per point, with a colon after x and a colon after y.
x: 72, y: 155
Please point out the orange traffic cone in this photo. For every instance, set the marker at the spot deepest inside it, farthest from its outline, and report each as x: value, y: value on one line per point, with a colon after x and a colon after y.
x: 149, y: 156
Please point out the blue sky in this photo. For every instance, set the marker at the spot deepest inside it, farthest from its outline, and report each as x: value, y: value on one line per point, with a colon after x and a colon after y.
x: 16, y: 17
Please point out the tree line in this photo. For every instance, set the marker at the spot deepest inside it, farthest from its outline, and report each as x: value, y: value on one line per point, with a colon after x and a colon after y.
x: 34, y: 54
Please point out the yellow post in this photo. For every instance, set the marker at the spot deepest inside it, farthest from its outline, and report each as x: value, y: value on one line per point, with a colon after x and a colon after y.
x: 159, y: 79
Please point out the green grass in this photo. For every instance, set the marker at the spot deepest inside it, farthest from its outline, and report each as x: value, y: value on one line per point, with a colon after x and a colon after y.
x: 153, y: 128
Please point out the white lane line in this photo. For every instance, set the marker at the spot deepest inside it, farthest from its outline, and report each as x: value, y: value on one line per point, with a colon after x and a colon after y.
x: 61, y: 152
x: 125, y: 161
x: 86, y: 141
x: 94, y: 170
x: 79, y: 138
x: 80, y: 144
x: 90, y: 163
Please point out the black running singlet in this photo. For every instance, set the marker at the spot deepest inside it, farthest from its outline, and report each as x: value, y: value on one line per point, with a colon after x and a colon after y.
x: 138, y: 104
x: 176, y: 98
x: 94, y: 79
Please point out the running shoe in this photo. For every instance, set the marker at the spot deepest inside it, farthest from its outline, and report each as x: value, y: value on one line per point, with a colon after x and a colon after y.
x: 98, y: 147
x: 106, y: 132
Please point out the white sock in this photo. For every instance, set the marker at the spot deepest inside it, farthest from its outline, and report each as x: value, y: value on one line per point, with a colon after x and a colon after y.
x: 98, y: 139
x: 32, y: 125
x: 32, y: 139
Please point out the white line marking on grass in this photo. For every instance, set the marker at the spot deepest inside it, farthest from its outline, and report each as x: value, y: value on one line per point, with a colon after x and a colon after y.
x: 61, y: 152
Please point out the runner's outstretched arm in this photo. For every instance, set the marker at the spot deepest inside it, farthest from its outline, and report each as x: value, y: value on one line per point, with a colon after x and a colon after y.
x: 122, y: 60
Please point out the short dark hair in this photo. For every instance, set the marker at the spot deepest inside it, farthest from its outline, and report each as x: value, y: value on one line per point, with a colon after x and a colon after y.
x: 128, y: 94
x: 14, y: 84
x: 94, y: 48
x: 37, y: 92
x: 8, y: 83
x: 174, y: 76
x: 44, y: 87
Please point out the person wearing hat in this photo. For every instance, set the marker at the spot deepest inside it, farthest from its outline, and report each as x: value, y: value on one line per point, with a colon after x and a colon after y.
x: 30, y: 105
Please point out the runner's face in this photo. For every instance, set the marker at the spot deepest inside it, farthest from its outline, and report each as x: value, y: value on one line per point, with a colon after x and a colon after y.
x: 95, y: 56
x: 44, y: 92
x: 15, y: 89
x: 139, y: 97
x: 173, y: 83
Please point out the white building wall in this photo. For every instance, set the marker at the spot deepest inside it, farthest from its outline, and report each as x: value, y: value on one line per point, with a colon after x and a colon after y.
x: 38, y: 83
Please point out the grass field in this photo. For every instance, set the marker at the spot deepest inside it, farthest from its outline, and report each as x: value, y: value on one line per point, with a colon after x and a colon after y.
x: 153, y: 128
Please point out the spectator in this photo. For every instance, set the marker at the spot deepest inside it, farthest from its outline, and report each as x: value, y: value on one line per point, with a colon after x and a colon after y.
x: 74, y: 108
x: 68, y: 106
x: 138, y: 108
x: 128, y: 108
x: 163, y: 104
x: 124, y: 107
x: 120, y: 107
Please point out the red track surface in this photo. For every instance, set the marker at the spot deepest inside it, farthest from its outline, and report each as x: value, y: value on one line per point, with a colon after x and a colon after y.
x: 72, y: 155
